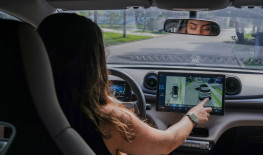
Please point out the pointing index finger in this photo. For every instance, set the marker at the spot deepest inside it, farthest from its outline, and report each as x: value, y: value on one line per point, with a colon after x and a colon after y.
x: 204, y: 101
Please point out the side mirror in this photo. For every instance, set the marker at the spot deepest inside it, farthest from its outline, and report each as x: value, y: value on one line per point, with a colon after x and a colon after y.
x: 192, y: 26
x: 7, y: 134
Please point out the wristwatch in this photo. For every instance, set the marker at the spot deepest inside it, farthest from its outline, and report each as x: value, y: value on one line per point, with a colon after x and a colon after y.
x: 193, y: 118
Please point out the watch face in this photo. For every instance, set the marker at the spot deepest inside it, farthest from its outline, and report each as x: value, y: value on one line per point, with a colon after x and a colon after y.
x: 195, y: 119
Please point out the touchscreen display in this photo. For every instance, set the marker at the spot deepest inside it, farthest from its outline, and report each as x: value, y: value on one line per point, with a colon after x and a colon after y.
x: 181, y: 91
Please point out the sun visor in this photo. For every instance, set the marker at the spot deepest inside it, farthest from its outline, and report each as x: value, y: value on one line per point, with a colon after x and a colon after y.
x: 98, y: 4
x: 192, y: 5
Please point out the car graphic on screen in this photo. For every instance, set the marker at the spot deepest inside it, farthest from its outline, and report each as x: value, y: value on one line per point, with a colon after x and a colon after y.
x: 204, y: 92
x: 174, y: 91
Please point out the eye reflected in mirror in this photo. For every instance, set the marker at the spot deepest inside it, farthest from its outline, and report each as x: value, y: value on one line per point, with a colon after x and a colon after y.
x: 7, y: 134
x: 192, y: 26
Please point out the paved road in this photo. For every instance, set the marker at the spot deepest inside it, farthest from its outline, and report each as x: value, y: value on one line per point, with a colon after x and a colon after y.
x: 191, y: 94
x: 176, y: 48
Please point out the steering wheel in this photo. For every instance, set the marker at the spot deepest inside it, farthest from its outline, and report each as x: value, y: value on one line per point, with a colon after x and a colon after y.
x: 140, y: 103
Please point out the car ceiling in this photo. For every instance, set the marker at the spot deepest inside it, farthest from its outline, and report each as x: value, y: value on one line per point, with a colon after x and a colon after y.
x: 31, y: 11
x: 99, y: 4
x: 34, y: 11
x: 163, y: 4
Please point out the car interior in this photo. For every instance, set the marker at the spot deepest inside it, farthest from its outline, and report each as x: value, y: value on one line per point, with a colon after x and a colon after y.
x: 162, y: 75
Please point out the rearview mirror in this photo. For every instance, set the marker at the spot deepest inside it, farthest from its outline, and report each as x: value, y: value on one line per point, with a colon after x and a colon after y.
x: 192, y: 26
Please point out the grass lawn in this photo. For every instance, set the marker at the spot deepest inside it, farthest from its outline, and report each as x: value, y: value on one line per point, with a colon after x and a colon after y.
x: 253, y: 63
x: 219, y: 91
x: 187, y: 83
x: 217, y: 100
x: 120, y: 26
x: 248, y: 36
x: 153, y: 32
x: 111, y: 38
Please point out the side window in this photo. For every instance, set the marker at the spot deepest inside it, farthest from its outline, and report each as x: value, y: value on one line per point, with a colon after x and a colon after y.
x: 7, y: 16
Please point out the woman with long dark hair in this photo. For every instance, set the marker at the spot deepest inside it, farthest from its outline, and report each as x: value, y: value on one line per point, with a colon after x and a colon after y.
x: 76, y: 51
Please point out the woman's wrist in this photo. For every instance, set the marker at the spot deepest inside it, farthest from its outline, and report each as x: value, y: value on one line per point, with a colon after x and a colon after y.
x: 189, y: 121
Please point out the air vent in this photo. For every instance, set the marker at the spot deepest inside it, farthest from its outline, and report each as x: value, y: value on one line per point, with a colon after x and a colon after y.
x: 233, y: 86
x: 150, y: 80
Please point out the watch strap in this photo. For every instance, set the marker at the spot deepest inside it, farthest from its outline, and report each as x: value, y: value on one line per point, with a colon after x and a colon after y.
x: 192, y: 119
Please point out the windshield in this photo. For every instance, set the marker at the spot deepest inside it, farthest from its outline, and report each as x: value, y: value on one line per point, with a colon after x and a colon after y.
x: 136, y: 36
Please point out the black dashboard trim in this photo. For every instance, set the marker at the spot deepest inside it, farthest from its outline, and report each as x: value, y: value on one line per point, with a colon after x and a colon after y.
x: 195, y: 69
x: 244, y: 97
x: 198, y: 69
x: 228, y: 97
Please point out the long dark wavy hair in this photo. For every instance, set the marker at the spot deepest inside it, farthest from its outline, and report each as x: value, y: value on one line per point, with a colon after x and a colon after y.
x: 75, y: 47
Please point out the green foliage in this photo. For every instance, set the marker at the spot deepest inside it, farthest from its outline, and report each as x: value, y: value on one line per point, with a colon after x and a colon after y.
x: 112, y: 17
x: 248, y: 36
x: 84, y: 13
x: 253, y: 62
x: 111, y: 38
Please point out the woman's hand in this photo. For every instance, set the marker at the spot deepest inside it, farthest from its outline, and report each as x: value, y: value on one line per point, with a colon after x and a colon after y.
x: 129, y: 105
x: 201, y: 112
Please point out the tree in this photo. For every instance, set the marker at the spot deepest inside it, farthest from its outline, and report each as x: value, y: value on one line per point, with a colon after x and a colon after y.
x: 151, y: 24
x: 145, y: 21
x: 124, y: 23
x: 112, y: 17
x: 137, y: 14
x: 156, y: 24
x: 96, y: 14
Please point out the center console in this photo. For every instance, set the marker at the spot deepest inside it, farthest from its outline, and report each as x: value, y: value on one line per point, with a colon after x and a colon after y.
x: 179, y: 92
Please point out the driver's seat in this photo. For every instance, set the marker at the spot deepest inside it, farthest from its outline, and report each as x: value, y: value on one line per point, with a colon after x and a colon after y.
x: 29, y: 97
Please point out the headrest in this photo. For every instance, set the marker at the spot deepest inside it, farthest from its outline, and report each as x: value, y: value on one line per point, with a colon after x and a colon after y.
x: 27, y: 75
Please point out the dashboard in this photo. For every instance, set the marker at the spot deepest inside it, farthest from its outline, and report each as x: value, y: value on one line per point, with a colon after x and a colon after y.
x: 243, y: 102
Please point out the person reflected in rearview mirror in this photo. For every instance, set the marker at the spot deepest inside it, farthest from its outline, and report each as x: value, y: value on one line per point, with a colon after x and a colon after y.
x: 192, y: 26
x: 198, y: 27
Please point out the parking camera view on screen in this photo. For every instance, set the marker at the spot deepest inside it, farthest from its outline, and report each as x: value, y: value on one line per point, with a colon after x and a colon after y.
x: 183, y: 92
x: 191, y: 90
